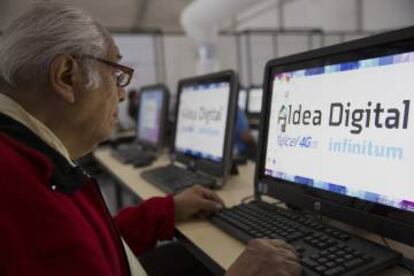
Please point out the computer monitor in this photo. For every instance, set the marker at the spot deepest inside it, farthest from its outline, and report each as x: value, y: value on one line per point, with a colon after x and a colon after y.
x: 242, y: 102
x: 254, y: 101
x: 205, y: 114
x: 337, y: 133
x: 152, y: 115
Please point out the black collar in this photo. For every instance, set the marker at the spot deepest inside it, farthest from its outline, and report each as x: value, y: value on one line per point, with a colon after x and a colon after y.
x: 65, y: 177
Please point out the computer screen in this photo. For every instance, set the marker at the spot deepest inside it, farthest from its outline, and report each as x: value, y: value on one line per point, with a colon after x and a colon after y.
x: 242, y: 101
x: 150, y: 114
x: 254, y: 102
x: 202, y: 120
x: 346, y: 128
x: 337, y: 132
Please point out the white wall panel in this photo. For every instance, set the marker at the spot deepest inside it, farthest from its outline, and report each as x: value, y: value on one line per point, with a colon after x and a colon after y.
x: 261, y: 52
x: 227, y: 52
x: 138, y: 53
x: 180, y: 60
x: 386, y: 14
x: 292, y: 43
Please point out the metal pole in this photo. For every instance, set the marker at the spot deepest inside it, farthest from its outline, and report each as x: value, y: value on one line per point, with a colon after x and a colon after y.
x: 249, y: 59
x: 359, y: 15
x: 239, y: 58
x: 159, y: 57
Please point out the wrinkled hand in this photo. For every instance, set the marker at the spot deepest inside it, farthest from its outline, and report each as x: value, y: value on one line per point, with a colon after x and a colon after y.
x: 196, y: 201
x: 266, y: 258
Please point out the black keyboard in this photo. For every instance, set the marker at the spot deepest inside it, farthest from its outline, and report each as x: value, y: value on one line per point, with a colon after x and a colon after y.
x: 173, y: 179
x: 132, y: 154
x: 322, y: 249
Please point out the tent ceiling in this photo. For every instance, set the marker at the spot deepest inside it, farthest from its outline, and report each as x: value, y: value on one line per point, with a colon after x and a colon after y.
x: 120, y: 14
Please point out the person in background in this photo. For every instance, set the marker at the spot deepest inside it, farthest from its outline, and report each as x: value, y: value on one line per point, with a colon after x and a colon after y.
x: 60, y: 83
x: 133, y: 104
x: 244, y: 140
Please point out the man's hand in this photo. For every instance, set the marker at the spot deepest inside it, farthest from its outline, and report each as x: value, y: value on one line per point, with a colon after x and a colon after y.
x: 266, y: 258
x: 196, y: 201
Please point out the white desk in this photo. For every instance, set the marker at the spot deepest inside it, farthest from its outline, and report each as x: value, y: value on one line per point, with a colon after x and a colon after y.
x: 217, y: 245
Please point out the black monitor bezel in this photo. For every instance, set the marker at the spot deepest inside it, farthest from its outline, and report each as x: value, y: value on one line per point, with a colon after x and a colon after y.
x: 217, y: 169
x: 253, y: 115
x: 164, y: 115
x: 380, y: 219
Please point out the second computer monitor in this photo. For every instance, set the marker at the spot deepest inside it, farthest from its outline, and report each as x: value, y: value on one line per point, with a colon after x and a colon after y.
x: 206, y: 108
x: 152, y: 115
x: 254, y: 101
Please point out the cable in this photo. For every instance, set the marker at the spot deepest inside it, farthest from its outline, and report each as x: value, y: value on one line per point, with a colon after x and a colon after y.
x: 247, y: 198
x: 384, y: 240
x: 405, y: 263
x: 279, y: 202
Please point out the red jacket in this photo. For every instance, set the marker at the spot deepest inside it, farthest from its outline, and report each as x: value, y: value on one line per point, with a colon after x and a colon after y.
x: 53, y: 220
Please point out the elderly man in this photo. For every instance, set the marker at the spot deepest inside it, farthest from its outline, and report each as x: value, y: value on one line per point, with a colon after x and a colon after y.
x: 60, y: 82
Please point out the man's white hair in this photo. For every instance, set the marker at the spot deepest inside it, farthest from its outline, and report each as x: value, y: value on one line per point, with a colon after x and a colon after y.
x: 34, y: 39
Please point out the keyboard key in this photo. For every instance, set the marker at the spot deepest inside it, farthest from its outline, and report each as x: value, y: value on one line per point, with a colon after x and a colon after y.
x: 322, y: 245
x: 322, y: 260
x: 321, y: 268
x: 309, y: 262
x: 315, y: 257
x: 330, y: 264
x: 293, y: 236
x: 348, y: 256
x: 339, y: 260
x: 332, y: 256
x: 332, y: 249
x: 341, y: 252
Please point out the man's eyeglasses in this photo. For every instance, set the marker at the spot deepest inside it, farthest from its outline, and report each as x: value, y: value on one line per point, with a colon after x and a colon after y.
x: 123, y: 73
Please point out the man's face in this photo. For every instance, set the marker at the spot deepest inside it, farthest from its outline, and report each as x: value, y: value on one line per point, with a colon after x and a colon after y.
x: 98, y: 107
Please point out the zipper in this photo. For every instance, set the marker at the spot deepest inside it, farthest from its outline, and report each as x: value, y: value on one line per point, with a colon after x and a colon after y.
x: 112, y: 226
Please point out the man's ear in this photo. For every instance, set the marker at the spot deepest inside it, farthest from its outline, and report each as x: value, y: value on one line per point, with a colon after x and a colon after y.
x: 63, y: 74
